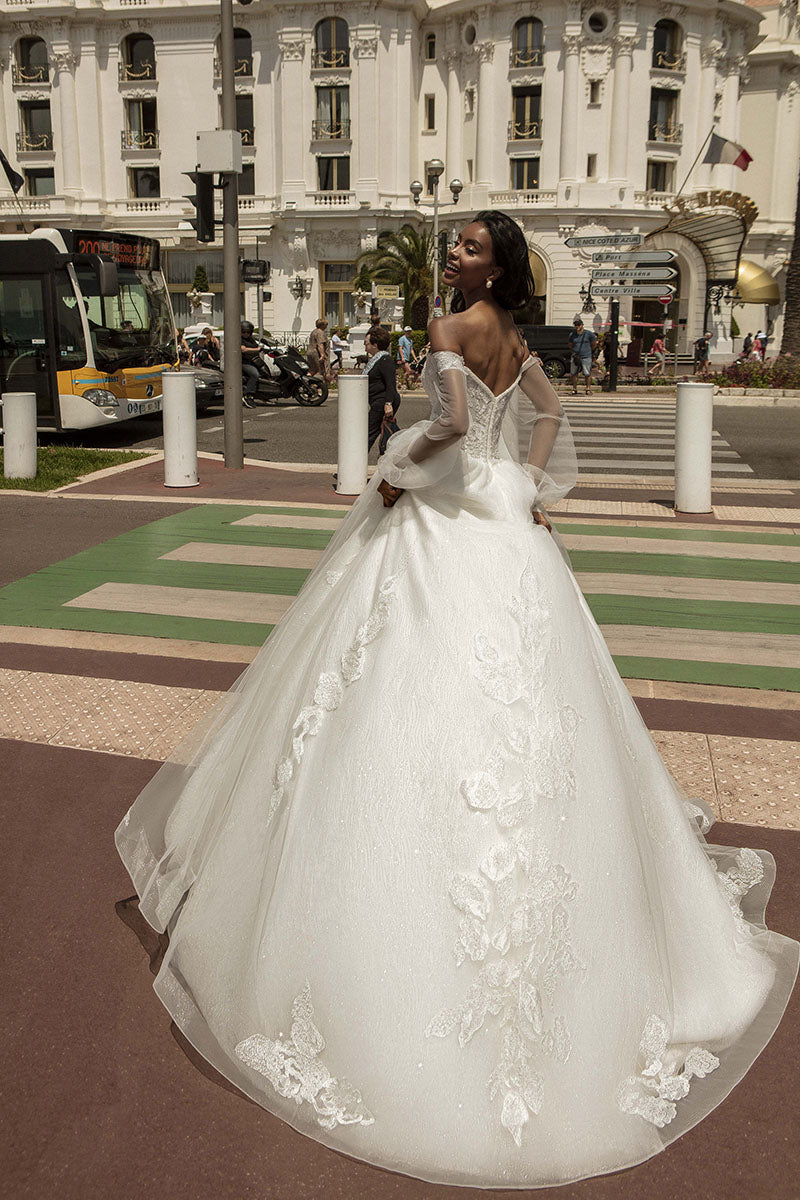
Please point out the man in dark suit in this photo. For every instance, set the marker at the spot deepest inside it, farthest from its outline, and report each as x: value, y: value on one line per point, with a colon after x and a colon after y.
x: 384, y: 398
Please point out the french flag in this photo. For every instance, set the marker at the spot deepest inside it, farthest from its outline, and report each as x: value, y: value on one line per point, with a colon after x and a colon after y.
x: 720, y: 150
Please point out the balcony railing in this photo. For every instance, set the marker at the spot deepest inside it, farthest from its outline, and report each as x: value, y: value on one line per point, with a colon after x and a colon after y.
x: 525, y: 58
x: 248, y: 137
x: 524, y: 130
x: 334, y: 199
x: 31, y: 143
x: 153, y: 204
x: 23, y: 75
x: 128, y: 73
x: 654, y: 199
x: 242, y: 67
x: 139, y: 140
x: 669, y: 133
x: 669, y: 62
x: 330, y: 59
x: 521, y: 196
x: 323, y: 131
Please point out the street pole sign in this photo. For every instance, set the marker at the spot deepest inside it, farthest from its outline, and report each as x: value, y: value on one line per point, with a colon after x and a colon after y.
x: 610, y: 239
x: 619, y: 274
x: 634, y: 256
x: 654, y: 290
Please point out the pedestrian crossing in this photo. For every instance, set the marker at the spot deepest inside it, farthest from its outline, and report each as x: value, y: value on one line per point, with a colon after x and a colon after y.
x: 637, y: 437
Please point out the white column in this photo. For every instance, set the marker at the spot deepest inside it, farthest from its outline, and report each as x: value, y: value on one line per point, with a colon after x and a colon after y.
x: 787, y: 142
x: 68, y: 153
x: 620, y: 110
x: 568, y: 160
x: 5, y: 69
x: 294, y: 135
x: 455, y: 118
x: 486, y: 130
x: 365, y: 49
x: 725, y: 175
x: 709, y: 58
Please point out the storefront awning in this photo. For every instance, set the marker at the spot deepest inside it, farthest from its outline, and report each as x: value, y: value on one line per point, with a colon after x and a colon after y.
x: 755, y: 285
x: 717, y: 222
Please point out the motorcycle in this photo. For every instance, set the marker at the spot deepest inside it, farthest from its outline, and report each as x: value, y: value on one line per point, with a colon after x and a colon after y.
x: 285, y: 374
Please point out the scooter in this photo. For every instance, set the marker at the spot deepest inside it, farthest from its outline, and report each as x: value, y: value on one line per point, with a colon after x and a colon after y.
x: 284, y: 373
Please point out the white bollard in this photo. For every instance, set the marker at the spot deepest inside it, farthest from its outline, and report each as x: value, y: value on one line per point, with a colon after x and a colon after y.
x: 694, y: 420
x: 19, y: 435
x: 180, y: 429
x: 353, y: 429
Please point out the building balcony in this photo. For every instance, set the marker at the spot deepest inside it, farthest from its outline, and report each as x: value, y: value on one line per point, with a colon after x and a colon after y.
x: 34, y: 143
x: 242, y: 68
x: 533, y: 57
x: 248, y: 137
x: 667, y: 134
x: 139, y: 140
x: 332, y: 199
x: 29, y: 76
x: 144, y: 73
x: 662, y: 61
x: 330, y: 60
x: 521, y: 198
x: 654, y: 199
x: 324, y: 131
x: 525, y: 131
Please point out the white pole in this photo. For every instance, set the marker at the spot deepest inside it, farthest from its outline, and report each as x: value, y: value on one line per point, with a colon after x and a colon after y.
x: 180, y: 429
x: 694, y: 419
x: 353, y: 430
x: 435, y: 244
x: 19, y: 435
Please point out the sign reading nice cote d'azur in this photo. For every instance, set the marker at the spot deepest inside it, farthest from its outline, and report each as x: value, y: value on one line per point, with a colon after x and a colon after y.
x: 608, y: 239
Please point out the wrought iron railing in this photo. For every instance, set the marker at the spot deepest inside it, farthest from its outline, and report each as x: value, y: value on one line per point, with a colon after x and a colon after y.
x: 669, y: 62
x: 323, y: 131
x: 128, y: 73
x: 667, y: 132
x: 32, y: 142
x: 139, y: 139
x: 330, y: 59
x: 531, y: 57
x: 248, y: 137
x: 242, y: 67
x: 524, y: 130
x: 21, y: 74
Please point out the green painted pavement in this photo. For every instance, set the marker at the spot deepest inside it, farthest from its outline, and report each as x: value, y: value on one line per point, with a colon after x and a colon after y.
x: 677, y: 534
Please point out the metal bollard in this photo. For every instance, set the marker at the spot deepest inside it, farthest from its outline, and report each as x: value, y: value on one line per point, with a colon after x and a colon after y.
x: 694, y: 420
x: 180, y: 429
x: 19, y: 435
x: 353, y: 428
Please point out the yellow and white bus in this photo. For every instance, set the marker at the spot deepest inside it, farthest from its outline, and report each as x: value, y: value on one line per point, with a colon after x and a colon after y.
x: 86, y: 323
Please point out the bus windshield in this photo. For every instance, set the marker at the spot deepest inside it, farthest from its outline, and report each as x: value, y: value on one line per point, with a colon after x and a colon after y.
x: 133, y: 327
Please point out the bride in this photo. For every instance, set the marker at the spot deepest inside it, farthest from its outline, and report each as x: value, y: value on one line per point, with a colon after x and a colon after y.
x: 431, y: 895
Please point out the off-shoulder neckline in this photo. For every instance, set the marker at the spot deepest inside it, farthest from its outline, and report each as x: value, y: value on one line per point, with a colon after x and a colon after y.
x: 495, y: 396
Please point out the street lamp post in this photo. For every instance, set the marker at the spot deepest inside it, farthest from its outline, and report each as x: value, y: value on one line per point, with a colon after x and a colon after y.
x: 234, y: 432
x: 436, y: 170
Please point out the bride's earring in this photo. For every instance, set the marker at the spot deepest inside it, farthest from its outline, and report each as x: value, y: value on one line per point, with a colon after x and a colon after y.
x: 488, y: 283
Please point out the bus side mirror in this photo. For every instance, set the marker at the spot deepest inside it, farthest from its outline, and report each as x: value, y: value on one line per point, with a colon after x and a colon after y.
x: 104, y: 269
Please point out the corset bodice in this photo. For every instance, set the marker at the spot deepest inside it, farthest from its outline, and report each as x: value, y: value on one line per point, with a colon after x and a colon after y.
x: 486, y: 411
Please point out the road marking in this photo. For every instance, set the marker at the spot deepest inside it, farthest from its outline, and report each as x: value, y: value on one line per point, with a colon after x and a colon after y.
x: 692, y: 549
x: 280, y: 522
x: 702, y: 645
x: 680, y: 587
x: 208, y: 604
x: 245, y: 556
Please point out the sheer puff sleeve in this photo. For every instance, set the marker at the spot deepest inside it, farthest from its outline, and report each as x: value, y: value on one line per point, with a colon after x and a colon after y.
x: 423, y: 454
x: 537, y: 435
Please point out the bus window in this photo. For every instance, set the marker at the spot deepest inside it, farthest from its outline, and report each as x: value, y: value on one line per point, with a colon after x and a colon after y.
x: 24, y: 343
x: 136, y: 319
x: 71, y: 348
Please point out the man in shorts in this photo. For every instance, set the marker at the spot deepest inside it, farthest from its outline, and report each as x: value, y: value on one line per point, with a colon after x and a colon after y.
x: 658, y: 351
x: 406, y: 356
x: 581, y: 344
x: 701, y: 355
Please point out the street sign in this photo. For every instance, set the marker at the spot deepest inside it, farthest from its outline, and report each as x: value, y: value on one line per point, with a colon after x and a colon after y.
x: 610, y: 239
x: 619, y: 274
x: 656, y: 290
x: 634, y: 257
x: 667, y: 300
x: 387, y: 291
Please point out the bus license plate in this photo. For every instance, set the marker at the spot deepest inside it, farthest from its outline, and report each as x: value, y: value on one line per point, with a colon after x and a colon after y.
x: 137, y: 408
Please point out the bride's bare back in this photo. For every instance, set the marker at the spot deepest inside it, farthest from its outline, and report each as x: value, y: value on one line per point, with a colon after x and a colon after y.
x: 487, y: 339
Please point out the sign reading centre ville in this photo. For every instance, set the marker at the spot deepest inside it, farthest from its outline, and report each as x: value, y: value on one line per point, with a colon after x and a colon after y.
x: 609, y: 239
x: 657, y: 290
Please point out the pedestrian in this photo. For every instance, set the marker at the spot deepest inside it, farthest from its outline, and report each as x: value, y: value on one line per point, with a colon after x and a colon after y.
x: 762, y: 338
x: 250, y: 371
x: 384, y: 398
x: 747, y: 345
x: 581, y: 343
x: 319, y: 350
x: 212, y: 344
x: 201, y: 355
x: 701, y: 355
x: 184, y: 349
x: 406, y: 356
x: 658, y: 350
x: 338, y: 346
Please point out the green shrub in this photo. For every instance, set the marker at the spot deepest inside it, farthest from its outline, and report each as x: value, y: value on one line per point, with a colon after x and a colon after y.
x: 782, y: 372
x: 734, y: 327
x: 200, y: 281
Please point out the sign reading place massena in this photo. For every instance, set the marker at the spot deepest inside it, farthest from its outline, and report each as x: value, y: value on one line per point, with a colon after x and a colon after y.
x: 609, y: 239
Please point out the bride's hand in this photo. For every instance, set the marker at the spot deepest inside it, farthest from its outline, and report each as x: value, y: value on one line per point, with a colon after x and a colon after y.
x: 540, y: 519
x: 390, y: 494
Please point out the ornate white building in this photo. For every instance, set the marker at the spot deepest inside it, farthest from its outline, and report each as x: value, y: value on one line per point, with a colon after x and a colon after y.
x: 575, y: 116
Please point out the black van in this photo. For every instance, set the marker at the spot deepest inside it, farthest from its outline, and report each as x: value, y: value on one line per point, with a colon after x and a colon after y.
x: 551, y: 342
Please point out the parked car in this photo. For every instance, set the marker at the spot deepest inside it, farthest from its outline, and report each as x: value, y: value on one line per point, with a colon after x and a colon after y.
x: 551, y: 343
x: 209, y: 387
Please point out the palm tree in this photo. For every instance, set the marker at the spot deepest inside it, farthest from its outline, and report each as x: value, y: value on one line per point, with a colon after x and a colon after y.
x: 404, y: 258
x: 790, y: 343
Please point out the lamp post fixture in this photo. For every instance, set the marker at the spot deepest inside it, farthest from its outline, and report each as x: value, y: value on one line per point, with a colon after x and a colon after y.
x: 435, y: 171
x: 587, y: 302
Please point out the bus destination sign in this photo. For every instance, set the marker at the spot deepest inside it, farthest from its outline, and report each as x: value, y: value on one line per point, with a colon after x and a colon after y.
x: 140, y: 254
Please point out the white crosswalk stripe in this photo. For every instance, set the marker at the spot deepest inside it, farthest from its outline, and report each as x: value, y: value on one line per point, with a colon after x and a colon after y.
x: 615, y: 437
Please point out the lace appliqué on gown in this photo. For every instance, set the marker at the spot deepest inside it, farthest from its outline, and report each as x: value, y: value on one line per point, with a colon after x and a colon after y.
x: 654, y: 1092
x: 515, y: 918
x: 294, y: 1069
x: 737, y: 881
x: 329, y: 692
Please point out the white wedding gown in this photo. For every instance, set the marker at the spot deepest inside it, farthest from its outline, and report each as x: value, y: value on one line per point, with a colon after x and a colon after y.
x: 432, y: 896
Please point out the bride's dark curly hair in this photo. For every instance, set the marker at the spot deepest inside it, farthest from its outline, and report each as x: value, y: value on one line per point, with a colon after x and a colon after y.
x: 515, y: 287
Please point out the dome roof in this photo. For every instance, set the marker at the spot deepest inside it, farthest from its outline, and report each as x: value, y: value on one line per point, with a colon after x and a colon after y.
x: 755, y: 285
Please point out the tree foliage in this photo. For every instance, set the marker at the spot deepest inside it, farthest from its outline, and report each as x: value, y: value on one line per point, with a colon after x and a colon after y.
x: 200, y: 281
x: 404, y: 258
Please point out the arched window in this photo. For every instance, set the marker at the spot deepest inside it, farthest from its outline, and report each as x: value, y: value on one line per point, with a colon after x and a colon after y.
x: 332, y: 43
x: 31, y: 65
x: 430, y: 47
x: 527, y: 43
x: 242, y: 52
x: 138, y: 59
x: 668, y: 46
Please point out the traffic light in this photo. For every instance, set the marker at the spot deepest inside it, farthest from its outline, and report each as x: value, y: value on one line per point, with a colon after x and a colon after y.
x: 203, y: 201
x: 443, y: 248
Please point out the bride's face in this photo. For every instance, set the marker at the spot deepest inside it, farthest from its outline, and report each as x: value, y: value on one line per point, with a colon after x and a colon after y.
x: 471, y: 261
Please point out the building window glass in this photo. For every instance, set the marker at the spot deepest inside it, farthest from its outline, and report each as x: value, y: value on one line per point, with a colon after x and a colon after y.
x: 660, y: 175
x: 591, y: 166
x: 526, y: 48
x: 663, y: 126
x: 145, y: 182
x: 334, y: 174
x: 430, y: 47
x: 526, y: 107
x: 142, y: 125
x: 338, y: 307
x: 40, y: 182
x: 138, y: 57
x: 668, y: 46
x: 594, y: 91
x: 37, y: 132
x: 331, y: 43
x: 430, y: 113
x: 244, y: 119
x: 247, y: 180
x: 31, y: 64
x: 525, y: 174
x: 333, y: 113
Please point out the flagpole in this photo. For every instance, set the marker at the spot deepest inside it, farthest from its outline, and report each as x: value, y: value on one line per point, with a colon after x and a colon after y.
x: 694, y: 164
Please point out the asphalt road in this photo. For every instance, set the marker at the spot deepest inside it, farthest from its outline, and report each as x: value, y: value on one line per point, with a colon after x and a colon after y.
x: 767, y: 439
